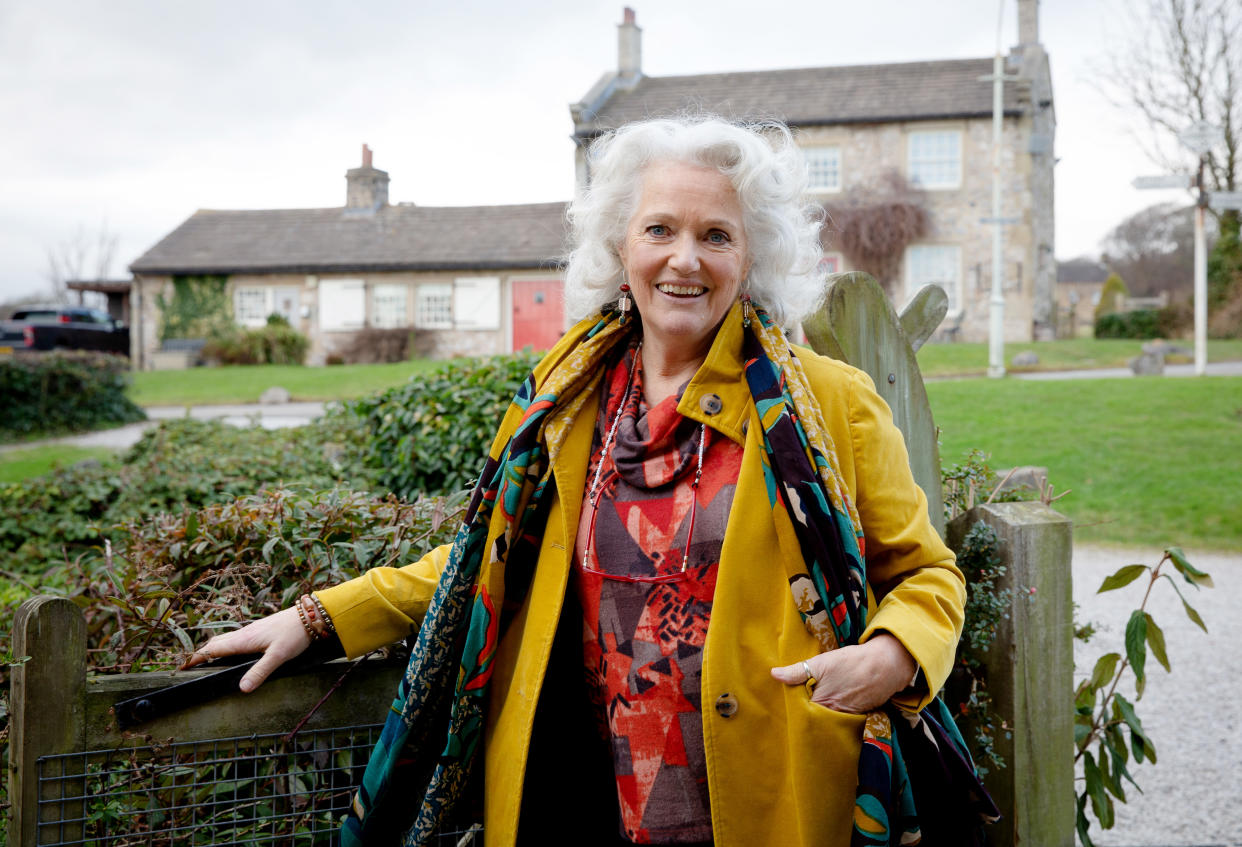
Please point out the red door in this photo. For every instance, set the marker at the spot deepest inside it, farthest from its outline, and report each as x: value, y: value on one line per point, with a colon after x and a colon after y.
x: 538, y: 313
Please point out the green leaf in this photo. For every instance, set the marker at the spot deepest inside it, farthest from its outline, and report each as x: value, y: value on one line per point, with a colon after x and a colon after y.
x: 1105, y: 667
x: 1122, y: 578
x: 1101, y: 803
x: 191, y: 527
x: 1140, y: 744
x: 1193, y: 615
x: 1155, y: 640
x: 1192, y: 574
x: 1136, y: 645
x: 268, y: 546
x: 1081, y: 822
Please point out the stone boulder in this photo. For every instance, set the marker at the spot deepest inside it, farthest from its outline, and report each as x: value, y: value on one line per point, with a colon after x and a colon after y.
x: 274, y: 396
x: 1025, y: 359
x: 1148, y: 364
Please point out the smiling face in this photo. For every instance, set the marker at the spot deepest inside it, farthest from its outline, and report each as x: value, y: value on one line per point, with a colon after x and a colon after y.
x: 685, y: 255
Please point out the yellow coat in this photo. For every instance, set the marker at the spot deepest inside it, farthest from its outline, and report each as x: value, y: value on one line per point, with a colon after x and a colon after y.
x: 781, y: 770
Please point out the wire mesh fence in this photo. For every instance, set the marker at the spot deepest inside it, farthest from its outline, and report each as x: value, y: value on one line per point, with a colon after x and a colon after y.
x: 260, y: 789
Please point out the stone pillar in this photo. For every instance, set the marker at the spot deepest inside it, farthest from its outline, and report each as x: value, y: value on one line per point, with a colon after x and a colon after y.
x: 1028, y: 22
x: 1030, y: 674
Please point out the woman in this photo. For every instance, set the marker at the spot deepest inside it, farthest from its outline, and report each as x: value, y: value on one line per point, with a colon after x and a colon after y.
x: 657, y: 625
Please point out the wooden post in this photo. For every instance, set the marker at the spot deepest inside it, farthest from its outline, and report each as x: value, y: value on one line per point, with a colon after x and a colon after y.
x: 47, y: 711
x: 857, y: 325
x: 1030, y: 674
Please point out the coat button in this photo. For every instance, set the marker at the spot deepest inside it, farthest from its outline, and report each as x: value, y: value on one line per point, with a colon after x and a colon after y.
x: 726, y: 705
x: 710, y: 403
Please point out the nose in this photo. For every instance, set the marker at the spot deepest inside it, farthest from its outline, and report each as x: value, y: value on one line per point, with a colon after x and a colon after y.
x: 684, y: 259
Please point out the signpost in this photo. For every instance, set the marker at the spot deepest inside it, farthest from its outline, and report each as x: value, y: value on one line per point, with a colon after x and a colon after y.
x: 1200, y: 137
x: 996, y: 330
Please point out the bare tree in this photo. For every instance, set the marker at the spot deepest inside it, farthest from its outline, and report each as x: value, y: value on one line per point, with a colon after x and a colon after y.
x: 1183, y: 64
x: 1153, y: 250
x: 81, y: 256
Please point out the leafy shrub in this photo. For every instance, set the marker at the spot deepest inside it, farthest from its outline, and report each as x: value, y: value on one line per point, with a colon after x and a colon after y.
x: 1141, y: 323
x: 277, y: 343
x: 178, y: 465
x: 371, y: 345
x: 50, y: 392
x: 1114, y: 286
x: 168, y: 581
x: 431, y: 434
x: 1176, y: 320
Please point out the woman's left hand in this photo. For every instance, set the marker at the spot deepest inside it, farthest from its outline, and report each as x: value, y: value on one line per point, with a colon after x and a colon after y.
x: 858, y: 678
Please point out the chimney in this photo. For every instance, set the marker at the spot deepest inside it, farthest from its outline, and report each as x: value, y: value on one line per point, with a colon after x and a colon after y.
x: 1028, y: 22
x: 629, y: 47
x: 366, y: 188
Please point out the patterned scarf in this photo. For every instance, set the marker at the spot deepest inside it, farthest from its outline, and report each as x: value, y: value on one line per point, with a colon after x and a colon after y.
x: 433, y: 732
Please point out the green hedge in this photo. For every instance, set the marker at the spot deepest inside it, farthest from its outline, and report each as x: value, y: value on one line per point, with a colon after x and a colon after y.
x: 181, y: 464
x: 1143, y: 323
x: 277, y: 343
x: 430, y: 436
x: 63, y: 391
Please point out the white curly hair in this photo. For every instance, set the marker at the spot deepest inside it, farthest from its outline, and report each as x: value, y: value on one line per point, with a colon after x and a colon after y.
x: 766, y: 170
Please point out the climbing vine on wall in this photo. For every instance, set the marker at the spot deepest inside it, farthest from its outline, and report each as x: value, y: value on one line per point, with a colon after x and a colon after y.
x: 874, y: 222
x: 198, y: 308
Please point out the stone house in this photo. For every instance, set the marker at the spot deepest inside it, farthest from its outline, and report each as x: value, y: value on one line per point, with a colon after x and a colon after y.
x: 477, y: 279
x: 930, y: 122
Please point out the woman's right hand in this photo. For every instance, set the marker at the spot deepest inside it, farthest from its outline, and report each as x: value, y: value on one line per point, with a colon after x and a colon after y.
x: 279, y: 637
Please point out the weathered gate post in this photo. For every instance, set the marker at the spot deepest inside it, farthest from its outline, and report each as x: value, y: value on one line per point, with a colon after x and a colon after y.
x: 1030, y: 673
x: 47, y: 714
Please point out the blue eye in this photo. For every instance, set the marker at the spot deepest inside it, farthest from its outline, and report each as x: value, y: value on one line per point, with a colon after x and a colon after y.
x: 658, y: 230
x: 717, y: 237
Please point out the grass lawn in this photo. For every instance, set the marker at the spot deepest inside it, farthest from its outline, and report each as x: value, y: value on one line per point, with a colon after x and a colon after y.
x: 967, y: 359
x: 1150, y: 461
x: 244, y: 383
x: 17, y: 465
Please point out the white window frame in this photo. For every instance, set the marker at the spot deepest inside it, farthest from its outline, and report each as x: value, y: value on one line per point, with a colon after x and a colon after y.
x: 250, y: 304
x: 433, y: 305
x: 935, y: 263
x: 389, y: 305
x: 476, y: 302
x: 832, y: 262
x: 823, y: 165
x: 934, y: 159
x: 342, y: 305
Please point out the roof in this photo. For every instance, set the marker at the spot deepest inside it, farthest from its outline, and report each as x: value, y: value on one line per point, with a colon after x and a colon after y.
x: 401, y: 237
x: 105, y: 286
x: 813, y: 96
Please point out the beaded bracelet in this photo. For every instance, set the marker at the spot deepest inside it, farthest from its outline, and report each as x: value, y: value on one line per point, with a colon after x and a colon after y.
x: 323, y: 614
x: 310, y: 631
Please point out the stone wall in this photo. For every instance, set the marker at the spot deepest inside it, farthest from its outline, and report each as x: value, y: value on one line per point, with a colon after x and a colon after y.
x: 868, y: 150
x: 306, y: 312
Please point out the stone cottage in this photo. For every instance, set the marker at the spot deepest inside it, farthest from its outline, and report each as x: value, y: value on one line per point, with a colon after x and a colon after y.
x: 477, y: 279
x: 928, y: 122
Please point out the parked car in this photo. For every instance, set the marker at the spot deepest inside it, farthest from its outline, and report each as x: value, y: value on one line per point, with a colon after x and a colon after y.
x: 63, y: 328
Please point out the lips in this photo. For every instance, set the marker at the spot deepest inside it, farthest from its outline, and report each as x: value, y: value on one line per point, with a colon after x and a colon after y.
x: 680, y: 290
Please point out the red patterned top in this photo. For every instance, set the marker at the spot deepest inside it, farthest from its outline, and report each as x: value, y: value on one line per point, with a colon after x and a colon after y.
x: 643, y: 641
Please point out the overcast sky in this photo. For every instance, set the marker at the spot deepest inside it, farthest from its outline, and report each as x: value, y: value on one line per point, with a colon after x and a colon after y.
x: 129, y: 115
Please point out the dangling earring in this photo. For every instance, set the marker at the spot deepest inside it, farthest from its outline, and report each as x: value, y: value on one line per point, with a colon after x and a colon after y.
x: 746, y: 310
x: 624, y: 303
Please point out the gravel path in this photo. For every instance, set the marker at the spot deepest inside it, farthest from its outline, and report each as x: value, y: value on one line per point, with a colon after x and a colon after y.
x: 1193, y: 794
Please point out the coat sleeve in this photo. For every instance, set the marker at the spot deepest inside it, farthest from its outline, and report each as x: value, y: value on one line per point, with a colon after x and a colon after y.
x: 383, y: 605
x: 920, y: 592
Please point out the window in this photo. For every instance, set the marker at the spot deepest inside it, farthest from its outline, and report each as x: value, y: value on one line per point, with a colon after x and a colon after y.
x: 433, y: 306
x: 937, y: 264
x: 830, y: 263
x: 823, y: 165
x: 250, y: 305
x: 936, y: 159
x: 388, y: 306
x: 342, y: 304
x: 253, y: 303
x: 476, y: 302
